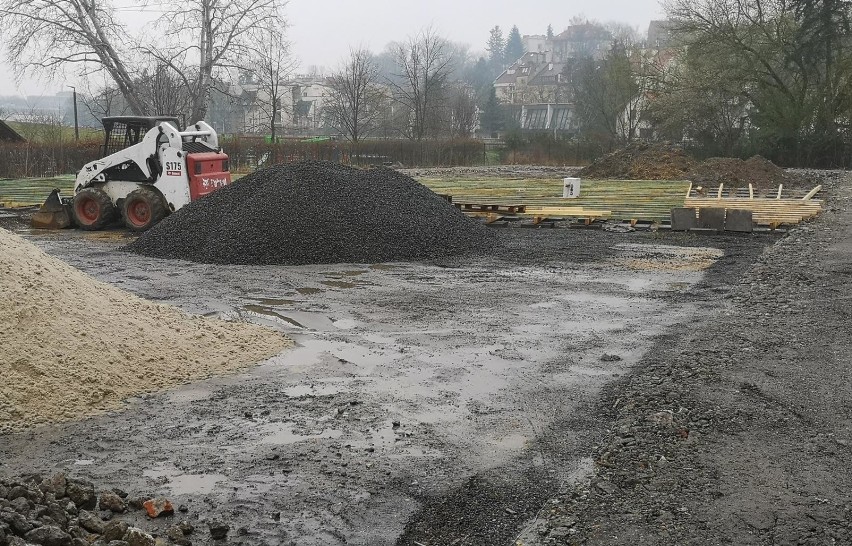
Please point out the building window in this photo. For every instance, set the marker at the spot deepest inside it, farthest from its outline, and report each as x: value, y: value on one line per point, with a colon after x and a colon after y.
x: 536, y: 119
x: 561, y: 119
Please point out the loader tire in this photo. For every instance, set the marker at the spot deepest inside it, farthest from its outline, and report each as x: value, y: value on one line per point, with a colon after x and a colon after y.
x: 143, y: 207
x: 93, y: 209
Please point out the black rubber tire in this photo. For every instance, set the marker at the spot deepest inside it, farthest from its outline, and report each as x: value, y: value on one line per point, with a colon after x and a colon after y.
x: 93, y: 209
x: 142, y: 208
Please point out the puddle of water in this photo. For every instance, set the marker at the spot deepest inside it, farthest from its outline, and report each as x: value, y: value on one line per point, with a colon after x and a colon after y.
x: 307, y: 291
x: 189, y: 394
x: 84, y: 462
x: 105, y: 235
x: 185, y: 484
x: 269, y: 313
x: 345, y: 324
x: 282, y: 434
x: 275, y: 302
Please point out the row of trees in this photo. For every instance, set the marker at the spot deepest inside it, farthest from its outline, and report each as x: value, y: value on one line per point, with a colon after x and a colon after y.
x: 738, y: 77
x: 774, y: 75
x: 195, y: 42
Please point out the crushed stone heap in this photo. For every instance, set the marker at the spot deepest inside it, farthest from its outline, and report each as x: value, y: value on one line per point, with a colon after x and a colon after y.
x: 315, y: 212
x: 71, y: 346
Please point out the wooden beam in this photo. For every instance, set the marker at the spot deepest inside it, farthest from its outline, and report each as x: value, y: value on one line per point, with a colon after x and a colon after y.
x: 811, y: 193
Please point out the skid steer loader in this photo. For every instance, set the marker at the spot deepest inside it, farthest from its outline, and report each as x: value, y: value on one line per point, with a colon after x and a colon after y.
x: 148, y: 169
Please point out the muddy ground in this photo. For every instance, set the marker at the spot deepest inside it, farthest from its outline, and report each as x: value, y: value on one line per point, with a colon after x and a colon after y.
x: 470, y: 401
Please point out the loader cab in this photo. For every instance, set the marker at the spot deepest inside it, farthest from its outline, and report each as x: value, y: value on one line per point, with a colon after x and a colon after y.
x: 121, y: 132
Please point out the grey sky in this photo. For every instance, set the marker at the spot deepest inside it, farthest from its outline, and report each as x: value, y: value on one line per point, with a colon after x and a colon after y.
x: 321, y: 31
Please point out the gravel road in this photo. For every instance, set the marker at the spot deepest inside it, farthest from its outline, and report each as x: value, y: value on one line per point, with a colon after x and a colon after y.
x: 736, y: 427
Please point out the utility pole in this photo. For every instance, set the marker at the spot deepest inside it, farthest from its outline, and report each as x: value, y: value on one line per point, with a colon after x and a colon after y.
x: 76, y: 124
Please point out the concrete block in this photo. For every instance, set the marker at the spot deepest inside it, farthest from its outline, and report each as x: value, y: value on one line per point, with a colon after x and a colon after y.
x: 739, y: 220
x: 711, y: 218
x: 684, y: 219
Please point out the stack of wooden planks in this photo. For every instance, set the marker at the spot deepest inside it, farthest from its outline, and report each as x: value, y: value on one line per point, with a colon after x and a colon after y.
x: 773, y: 210
x: 627, y: 200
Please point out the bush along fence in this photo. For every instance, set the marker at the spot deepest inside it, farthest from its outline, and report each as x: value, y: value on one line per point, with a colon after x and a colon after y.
x: 247, y: 154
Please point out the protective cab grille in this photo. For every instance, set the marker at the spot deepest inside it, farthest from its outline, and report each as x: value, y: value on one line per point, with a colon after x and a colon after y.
x: 196, y: 148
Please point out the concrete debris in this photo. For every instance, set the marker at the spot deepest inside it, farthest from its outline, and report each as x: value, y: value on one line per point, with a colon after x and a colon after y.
x: 60, y: 519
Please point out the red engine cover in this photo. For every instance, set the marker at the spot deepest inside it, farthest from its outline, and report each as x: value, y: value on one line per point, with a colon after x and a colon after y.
x: 207, y: 173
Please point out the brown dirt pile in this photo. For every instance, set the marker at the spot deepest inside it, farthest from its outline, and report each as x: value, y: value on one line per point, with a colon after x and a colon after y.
x: 642, y: 161
x: 664, y: 161
x: 736, y: 173
x: 71, y: 346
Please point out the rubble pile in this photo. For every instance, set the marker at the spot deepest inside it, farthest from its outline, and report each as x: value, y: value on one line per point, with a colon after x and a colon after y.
x: 62, y: 511
x: 315, y: 212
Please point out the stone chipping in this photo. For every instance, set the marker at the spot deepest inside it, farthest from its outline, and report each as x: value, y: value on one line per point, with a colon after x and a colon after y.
x: 314, y: 212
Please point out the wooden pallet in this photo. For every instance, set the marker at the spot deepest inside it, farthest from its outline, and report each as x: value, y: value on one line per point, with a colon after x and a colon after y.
x: 490, y: 207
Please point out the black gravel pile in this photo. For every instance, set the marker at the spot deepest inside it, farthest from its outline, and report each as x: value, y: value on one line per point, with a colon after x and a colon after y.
x: 316, y: 213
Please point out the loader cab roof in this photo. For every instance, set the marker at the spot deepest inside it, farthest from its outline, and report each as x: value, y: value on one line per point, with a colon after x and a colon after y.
x: 121, y: 132
x: 148, y: 122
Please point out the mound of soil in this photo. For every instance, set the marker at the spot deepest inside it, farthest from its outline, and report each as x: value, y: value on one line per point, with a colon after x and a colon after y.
x: 71, y: 346
x: 315, y: 213
x: 736, y: 173
x: 663, y: 161
x: 641, y: 161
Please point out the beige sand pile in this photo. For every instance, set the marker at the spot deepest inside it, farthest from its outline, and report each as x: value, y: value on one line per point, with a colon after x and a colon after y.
x: 71, y: 346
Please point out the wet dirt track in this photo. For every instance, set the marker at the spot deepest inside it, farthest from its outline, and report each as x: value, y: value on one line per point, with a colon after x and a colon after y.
x: 425, y: 402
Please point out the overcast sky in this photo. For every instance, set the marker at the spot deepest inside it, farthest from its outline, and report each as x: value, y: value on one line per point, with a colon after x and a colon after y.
x: 321, y: 31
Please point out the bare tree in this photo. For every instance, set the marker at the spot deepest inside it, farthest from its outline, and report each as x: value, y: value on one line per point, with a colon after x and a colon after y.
x: 355, y: 103
x: 212, y: 36
x: 164, y: 91
x: 463, y: 116
x: 270, y: 67
x: 424, y: 63
x: 47, y: 35
x: 105, y: 102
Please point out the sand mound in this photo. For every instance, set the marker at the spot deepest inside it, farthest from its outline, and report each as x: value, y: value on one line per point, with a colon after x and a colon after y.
x: 71, y: 346
x: 315, y: 213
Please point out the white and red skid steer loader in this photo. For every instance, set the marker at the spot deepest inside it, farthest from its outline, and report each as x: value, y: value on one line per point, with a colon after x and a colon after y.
x: 148, y: 169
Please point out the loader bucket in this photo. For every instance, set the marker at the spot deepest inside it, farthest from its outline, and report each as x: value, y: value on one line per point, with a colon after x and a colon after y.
x: 52, y: 214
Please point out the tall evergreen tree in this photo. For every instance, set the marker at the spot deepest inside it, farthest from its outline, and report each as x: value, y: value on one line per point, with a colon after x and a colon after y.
x: 491, y: 114
x: 549, y: 32
x: 496, y: 49
x: 514, y: 46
